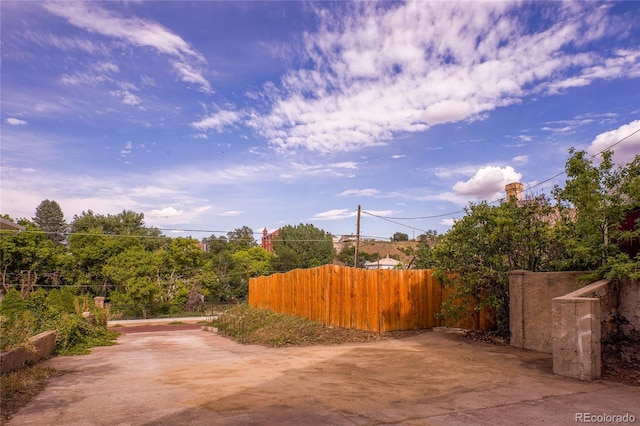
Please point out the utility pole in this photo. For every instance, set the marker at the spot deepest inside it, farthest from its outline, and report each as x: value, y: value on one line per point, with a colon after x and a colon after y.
x: 355, y: 261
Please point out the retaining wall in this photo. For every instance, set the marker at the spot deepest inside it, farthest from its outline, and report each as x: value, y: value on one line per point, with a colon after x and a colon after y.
x: 577, y: 329
x: 530, y: 295
x: 14, y: 359
x: 554, y: 313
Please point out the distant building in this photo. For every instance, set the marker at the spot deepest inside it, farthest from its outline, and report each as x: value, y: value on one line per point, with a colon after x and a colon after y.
x: 631, y: 246
x: 337, y: 245
x: 267, y: 239
x: 7, y: 225
x: 203, y: 245
x: 385, y: 263
x: 631, y: 222
x: 514, y: 190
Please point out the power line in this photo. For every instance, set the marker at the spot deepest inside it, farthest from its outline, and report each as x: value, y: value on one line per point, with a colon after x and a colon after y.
x: 500, y: 199
x: 392, y: 221
x: 386, y: 218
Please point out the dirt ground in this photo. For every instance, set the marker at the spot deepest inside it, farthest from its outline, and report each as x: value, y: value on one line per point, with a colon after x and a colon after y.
x: 199, y: 378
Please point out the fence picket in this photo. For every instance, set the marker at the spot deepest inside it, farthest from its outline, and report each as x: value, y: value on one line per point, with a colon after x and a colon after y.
x: 376, y: 300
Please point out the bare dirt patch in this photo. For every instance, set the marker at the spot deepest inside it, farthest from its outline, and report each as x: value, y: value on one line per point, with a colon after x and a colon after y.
x: 200, y: 378
x: 19, y: 387
x: 621, y: 363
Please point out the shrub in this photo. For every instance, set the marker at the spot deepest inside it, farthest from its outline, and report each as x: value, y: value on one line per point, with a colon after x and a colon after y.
x: 12, y: 304
x: 41, y: 311
x: 16, y: 330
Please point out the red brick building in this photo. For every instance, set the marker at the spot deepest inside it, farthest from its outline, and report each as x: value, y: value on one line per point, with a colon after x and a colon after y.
x: 267, y: 239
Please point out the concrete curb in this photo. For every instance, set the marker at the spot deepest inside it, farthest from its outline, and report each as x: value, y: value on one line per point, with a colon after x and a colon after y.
x: 160, y: 321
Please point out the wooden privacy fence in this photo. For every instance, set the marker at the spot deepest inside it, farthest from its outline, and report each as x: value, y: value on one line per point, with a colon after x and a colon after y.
x: 375, y: 300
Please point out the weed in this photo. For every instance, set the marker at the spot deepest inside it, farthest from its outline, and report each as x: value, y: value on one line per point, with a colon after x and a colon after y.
x: 17, y: 387
x: 257, y: 326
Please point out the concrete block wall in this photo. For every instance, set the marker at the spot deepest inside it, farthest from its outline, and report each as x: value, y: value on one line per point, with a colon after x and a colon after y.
x: 576, y: 331
x: 530, y: 296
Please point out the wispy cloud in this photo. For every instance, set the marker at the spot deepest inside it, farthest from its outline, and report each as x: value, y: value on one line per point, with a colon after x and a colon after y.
x: 521, y: 159
x: 335, y: 214
x: 172, y: 216
x: 369, y: 192
x: 231, y: 213
x: 126, y: 97
x: 67, y: 44
x: 217, y: 121
x: 472, y: 58
x: 15, y: 121
x: 138, y: 32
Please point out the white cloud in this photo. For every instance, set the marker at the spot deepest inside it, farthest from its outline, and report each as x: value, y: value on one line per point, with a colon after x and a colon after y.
x: 335, y: 214
x: 564, y: 129
x: 625, y: 151
x: 369, y: 192
x: 488, y: 183
x: 65, y: 43
x: 126, y: 97
x: 164, y: 213
x: 305, y: 169
x: 15, y: 121
x: 127, y: 149
x: 448, y: 222
x: 217, y: 121
x: 624, y: 62
x: 395, y: 157
x: 379, y: 70
x: 521, y: 159
x: 380, y: 212
x: 107, y: 67
x: 173, y: 216
x: 231, y: 213
x: 138, y: 32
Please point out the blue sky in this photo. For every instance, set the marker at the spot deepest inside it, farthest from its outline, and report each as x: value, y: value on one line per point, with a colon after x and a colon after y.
x: 214, y: 115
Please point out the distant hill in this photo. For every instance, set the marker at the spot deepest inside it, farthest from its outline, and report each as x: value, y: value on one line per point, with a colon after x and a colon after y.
x: 395, y: 250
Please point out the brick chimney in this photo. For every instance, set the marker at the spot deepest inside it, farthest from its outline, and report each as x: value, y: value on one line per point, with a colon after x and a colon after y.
x: 514, y: 190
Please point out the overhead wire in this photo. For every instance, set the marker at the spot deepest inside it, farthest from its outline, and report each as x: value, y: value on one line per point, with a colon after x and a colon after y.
x: 388, y: 218
x: 391, y: 219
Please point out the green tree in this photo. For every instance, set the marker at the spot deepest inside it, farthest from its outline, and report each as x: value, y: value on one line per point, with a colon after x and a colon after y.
x: 29, y: 257
x: 399, y: 236
x: 473, y: 258
x: 425, y: 255
x: 302, y: 246
x: 96, y: 238
x: 136, y: 274
x: 248, y: 263
x: 183, y: 286
x: 50, y: 219
x: 348, y: 253
x: 241, y: 238
x: 592, y: 205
